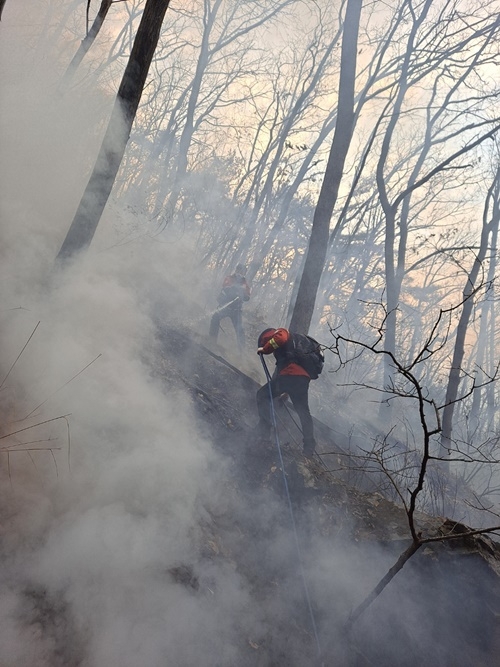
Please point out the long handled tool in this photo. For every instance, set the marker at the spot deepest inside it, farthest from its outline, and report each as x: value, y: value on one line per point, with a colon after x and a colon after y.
x: 224, y: 306
x: 290, y: 507
x: 199, y: 319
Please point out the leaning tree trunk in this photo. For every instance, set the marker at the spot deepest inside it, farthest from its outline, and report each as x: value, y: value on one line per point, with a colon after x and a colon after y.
x: 115, y: 140
x: 318, y: 242
x: 455, y: 375
x: 88, y: 40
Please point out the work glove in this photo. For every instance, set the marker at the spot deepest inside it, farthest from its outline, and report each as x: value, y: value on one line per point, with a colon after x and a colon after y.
x: 260, y: 350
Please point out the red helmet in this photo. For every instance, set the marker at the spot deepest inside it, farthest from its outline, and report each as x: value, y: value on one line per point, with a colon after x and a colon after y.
x: 265, y: 336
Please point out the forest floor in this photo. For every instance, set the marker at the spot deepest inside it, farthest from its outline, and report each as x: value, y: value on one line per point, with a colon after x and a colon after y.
x: 443, y: 609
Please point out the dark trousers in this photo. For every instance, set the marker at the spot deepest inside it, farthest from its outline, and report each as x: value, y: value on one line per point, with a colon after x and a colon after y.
x: 235, y: 315
x: 297, y: 387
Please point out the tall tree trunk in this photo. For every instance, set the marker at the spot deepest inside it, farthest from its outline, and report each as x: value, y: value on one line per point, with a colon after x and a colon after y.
x: 318, y: 242
x: 491, y: 401
x: 487, y: 326
x: 455, y: 374
x: 88, y: 40
x: 115, y: 140
x: 264, y: 248
x: 390, y: 210
x: 210, y: 15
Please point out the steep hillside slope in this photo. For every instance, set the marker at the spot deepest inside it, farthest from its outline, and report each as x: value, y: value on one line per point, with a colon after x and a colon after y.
x: 442, y: 609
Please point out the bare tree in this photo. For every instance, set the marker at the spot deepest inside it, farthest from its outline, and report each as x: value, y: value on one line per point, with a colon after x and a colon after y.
x: 224, y: 26
x: 408, y: 387
x: 396, y: 246
x: 318, y: 242
x: 490, y: 226
x: 485, y: 355
x: 288, y: 112
x: 89, y: 38
x: 96, y: 195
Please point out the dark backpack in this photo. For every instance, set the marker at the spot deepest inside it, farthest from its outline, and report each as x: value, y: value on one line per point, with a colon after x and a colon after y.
x: 307, y: 353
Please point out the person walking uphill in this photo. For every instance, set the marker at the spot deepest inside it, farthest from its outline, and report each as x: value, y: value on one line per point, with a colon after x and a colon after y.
x: 235, y: 290
x: 298, y: 361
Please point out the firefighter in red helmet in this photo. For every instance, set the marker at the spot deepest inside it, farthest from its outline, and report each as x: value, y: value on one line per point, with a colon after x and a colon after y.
x: 289, y: 377
x: 235, y: 290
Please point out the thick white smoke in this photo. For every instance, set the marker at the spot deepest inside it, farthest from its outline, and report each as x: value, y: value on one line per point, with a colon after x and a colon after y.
x: 119, y: 486
x: 107, y: 500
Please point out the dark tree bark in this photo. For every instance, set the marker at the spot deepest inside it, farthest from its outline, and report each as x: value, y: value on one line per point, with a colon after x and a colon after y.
x: 115, y: 140
x: 318, y: 242
x: 88, y: 40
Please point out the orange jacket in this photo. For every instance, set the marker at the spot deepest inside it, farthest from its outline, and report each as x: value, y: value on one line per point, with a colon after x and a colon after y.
x: 234, y: 286
x: 279, y: 340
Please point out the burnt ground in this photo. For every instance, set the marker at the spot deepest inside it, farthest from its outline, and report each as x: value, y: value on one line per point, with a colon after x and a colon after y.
x: 441, y: 610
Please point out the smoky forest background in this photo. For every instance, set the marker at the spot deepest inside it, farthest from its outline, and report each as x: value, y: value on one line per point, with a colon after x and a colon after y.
x: 347, y: 152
